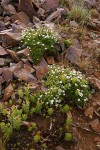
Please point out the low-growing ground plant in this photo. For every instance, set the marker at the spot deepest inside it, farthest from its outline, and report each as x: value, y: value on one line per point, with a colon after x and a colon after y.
x: 39, y: 41
x: 79, y: 14
x: 61, y: 84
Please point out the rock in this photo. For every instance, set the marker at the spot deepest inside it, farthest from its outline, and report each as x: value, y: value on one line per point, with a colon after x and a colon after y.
x: 9, y: 8
x: 95, y: 124
x: 74, y: 24
x: 1, y: 80
x: 29, y: 68
x: 73, y: 54
x: 2, y: 25
x: 1, y: 10
x: 41, y: 12
x: 26, y: 76
x: 2, y: 51
x: 55, y: 15
x: 26, y: 6
x: 1, y: 70
x: 50, y: 4
x: 41, y: 69
x: 17, y: 67
x: 59, y: 148
x: 6, y: 19
x: 8, y: 92
x: 5, y: 2
x: 93, y: 80
x: 89, y: 112
x: 7, y: 75
x: 50, y: 60
x: 25, y: 52
x: 90, y: 3
x: 13, y: 55
x: 36, y: 21
x: 22, y: 17
x: 94, y: 24
x: 10, y: 39
x: 2, y: 61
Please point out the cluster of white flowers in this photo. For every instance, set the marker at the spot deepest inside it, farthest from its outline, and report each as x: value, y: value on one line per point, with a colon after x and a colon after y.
x: 39, y: 41
x: 71, y: 82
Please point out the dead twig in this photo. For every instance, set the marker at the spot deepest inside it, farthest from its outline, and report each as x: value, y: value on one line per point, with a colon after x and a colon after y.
x: 86, y: 129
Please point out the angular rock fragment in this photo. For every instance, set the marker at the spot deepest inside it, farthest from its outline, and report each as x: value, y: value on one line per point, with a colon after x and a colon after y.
x: 73, y: 54
x: 27, y: 7
x: 13, y: 55
x: 41, y: 69
x: 95, y: 124
x: 22, y: 17
x: 29, y: 68
x: 9, y: 8
x: 26, y: 76
x: 25, y: 52
x: 50, y: 4
x: 17, y: 67
x: 10, y: 39
x: 7, y: 75
x: 55, y: 15
x: 50, y: 60
x: 89, y: 112
x: 2, y: 51
x: 8, y: 92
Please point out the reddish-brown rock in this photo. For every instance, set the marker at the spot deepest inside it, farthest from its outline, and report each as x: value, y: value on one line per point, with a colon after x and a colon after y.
x: 16, y: 68
x: 73, y: 54
x: 29, y: 68
x: 41, y: 69
x: 26, y: 76
x: 89, y: 112
x: 13, y: 55
x: 22, y: 17
x: 25, y: 52
x: 8, y: 92
x: 50, y: 60
x: 10, y: 39
x: 7, y: 75
x: 2, y: 61
x: 2, y: 51
x: 95, y: 124
x: 9, y: 8
x: 27, y: 7
x: 53, y: 16
x: 50, y: 4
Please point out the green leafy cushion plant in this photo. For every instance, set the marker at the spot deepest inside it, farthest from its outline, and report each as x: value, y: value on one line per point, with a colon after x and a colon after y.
x: 39, y: 41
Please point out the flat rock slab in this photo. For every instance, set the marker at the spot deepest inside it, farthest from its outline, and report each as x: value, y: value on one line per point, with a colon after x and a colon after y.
x: 26, y: 76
